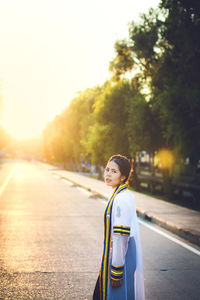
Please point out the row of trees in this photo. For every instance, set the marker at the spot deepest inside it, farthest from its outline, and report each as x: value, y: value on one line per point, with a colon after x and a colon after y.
x: 113, y: 118
x: 152, y: 100
x: 165, y: 49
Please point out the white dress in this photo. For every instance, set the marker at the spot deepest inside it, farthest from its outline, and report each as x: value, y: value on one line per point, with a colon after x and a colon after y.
x: 122, y: 255
x: 126, y: 254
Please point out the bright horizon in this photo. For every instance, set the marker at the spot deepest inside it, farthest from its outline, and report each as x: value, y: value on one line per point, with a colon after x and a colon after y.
x: 50, y: 50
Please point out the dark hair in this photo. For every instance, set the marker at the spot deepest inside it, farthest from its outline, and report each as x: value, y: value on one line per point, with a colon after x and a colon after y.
x: 123, y: 163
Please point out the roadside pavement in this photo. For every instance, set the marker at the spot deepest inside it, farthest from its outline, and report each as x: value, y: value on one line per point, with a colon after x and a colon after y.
x: 181, y: 221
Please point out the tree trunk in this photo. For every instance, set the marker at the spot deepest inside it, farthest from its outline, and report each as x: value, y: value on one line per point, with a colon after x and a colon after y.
x: 100, y: 173
x: 133, y: 178
x: 167, y: 183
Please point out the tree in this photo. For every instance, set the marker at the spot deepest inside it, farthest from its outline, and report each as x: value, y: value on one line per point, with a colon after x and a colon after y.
x: 177, y: 84
x: 123, y: 62
x: 111, y: 114
x: 65, y: 137
x: 124, y: 123
x: 165, y: 51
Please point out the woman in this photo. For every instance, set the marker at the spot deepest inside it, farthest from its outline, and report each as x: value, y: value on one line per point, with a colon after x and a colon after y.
x: 121, y: 273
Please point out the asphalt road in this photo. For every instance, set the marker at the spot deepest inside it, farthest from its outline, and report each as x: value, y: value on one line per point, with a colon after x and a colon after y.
x: 51, y: 242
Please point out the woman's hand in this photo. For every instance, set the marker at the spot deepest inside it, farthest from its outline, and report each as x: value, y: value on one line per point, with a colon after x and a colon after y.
x: 116, y: 283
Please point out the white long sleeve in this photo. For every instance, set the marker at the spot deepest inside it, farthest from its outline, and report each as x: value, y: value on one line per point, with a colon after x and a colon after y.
x: 119, y: 248
x: 124, y: 227
x: 120, y: 237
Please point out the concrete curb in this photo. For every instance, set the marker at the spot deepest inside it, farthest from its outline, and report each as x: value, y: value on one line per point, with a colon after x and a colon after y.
x: 183, y: 233
x: 102, y: 195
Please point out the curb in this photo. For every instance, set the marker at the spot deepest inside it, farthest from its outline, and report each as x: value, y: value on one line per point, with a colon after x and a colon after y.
x: 103, y: 196
x: 183, y: 233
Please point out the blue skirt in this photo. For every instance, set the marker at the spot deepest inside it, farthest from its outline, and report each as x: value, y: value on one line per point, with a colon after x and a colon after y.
x: 126, y: 291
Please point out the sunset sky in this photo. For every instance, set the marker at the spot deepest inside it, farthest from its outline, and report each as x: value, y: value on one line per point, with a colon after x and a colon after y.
x: 51, y: 49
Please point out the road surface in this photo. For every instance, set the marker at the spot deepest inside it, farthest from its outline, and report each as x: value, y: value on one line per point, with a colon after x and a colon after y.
x: 51, y: 242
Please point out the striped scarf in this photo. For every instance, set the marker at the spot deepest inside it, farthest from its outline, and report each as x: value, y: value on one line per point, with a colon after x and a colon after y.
x: 105, y: 264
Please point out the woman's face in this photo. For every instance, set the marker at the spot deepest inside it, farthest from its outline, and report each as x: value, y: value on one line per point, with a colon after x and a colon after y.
x: 112, y: 175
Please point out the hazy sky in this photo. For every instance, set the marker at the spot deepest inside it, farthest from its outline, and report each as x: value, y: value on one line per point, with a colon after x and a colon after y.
x: 51, y: 49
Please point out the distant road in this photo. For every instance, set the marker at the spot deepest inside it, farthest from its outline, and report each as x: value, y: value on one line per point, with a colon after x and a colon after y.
x: 51, y: 242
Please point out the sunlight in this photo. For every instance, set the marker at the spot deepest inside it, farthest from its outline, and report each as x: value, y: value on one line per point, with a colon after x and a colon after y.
x: 47, y: 56
x: 20, y: 127
x: 19, y: 175
x: 166, y: 158
x: 25, y: 119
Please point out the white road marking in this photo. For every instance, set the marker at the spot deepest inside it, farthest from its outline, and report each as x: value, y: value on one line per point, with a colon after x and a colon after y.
x: 66, y: 181
x: 84, y: 191
x: 168, y: 236
x: 151, y: 226
x: 2, y: 188
x: 173, y: 239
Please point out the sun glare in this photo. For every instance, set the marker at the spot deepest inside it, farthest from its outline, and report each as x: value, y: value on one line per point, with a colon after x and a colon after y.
x: 48, y: 55
x: 22, y: 125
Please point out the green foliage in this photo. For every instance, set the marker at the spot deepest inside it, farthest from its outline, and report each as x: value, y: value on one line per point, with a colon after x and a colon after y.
x: 165, y: 50
x: 114, y: 118
x: 111, y: 116
x: 65, y: 137
x: 143, y: 41
x: 123, y: 62
x: 159, y: 107
x: 143, y: 126
x: 124, y: 122
x: 97, y: 143
x: 177, y: 83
